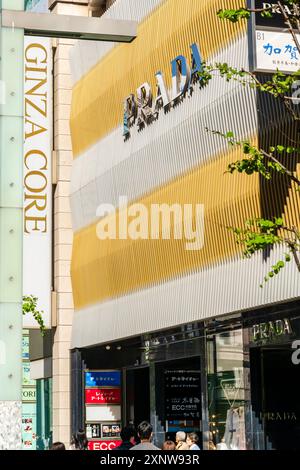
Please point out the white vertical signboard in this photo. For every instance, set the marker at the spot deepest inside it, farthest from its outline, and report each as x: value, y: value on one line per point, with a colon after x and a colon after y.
x: 37, y: 213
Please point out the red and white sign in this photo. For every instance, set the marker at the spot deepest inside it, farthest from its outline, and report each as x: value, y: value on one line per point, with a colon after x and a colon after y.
x: 111, y: 396
x: 104, y: 445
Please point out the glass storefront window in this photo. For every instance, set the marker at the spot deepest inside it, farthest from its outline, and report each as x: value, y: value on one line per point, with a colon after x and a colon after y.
x: 226, y: 390
x: 44, y: 414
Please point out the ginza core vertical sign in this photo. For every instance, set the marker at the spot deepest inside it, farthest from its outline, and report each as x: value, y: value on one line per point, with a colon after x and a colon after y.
x: 37, y: 215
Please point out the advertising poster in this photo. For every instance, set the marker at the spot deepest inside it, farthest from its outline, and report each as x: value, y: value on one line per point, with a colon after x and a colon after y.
x: 111, y: 430
x: 93, y: 431
x: 29, y: 427
x: 27, y: 381
x: 28, y: 399
x: 25, y: 347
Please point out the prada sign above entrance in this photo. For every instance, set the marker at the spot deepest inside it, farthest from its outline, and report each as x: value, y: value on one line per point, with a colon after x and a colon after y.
x: 141, y: 110
x: 271, y: 329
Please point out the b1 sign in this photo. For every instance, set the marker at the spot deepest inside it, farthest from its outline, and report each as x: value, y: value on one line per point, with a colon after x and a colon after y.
x: 37, y: 213
x: 276, y: 51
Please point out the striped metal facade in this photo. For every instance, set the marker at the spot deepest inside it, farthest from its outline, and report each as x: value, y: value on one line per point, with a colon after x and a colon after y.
x: 125, y: 287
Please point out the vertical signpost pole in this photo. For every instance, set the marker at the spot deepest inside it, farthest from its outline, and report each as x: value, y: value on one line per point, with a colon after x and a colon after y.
x: 11, y: 233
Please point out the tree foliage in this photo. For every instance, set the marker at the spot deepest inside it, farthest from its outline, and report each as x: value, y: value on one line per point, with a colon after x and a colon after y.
x: 30, y: 307
x: 259, y: 234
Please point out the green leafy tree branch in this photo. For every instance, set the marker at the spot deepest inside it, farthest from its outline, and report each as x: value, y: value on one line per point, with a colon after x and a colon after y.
x: 30, y: 307
x: 261, y: 234
x: 280, y: 86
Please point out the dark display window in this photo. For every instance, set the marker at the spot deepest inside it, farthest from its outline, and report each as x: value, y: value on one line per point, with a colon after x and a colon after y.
x: 179, y: 401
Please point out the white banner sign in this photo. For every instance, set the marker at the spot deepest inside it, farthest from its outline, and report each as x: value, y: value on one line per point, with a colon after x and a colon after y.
x: 37, y: 220
x: 276, y: 51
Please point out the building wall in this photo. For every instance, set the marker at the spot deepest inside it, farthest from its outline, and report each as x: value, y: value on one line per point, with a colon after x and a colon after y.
x: 127, y: 287
x: 62, y: 226
x: 11, y: 232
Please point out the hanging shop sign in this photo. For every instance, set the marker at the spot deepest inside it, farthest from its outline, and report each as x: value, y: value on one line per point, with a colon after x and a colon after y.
x: 37, y: 210
x: 104, y: 445
x: 102, y: 408
x: 141, y: 109
x: 273, y: 47
x: 103, y: 396
x: 103, y: 378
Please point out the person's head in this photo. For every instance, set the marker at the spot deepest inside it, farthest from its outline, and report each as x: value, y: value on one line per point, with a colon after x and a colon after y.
x: 79, y: 440
x: 169, y: 445
x: 128, y: 434
x: 145, y: 431
x: 58, y: 446
x: 192, y: 438
x: 180, y: 436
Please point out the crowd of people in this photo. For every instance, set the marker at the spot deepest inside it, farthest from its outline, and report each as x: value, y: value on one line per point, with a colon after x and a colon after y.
x: 140, y: 439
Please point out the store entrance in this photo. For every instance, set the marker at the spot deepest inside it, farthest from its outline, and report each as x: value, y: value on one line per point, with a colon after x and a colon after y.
x: 137, y: 396
x: 275, y: 385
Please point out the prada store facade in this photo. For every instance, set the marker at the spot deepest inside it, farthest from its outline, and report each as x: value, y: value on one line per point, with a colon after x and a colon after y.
x: 181, y: 331
x: 234, y: 380
x: 254, y: 378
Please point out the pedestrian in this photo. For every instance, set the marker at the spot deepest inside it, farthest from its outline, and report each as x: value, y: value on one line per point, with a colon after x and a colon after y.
x: 58, y: 446
x: 222, y: 445
x: 192, y: 441
x: 169, y: 445
x: 79, y: 441
x: 128, y: 438
x: 180, y: 441
x: 145, y: 434
x: 211, y: 444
